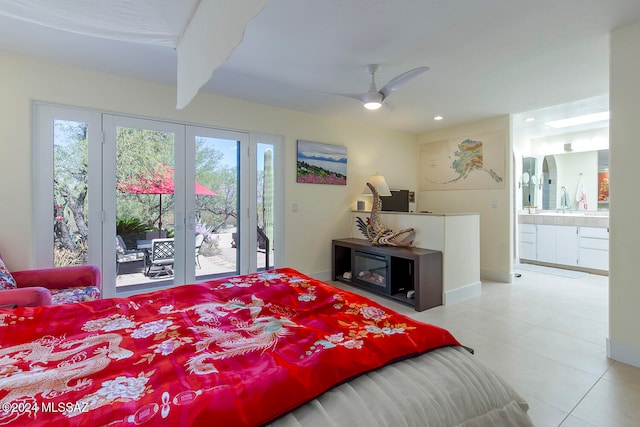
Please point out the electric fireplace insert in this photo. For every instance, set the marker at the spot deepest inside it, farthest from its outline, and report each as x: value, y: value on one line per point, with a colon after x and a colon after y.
x: 371, y: 271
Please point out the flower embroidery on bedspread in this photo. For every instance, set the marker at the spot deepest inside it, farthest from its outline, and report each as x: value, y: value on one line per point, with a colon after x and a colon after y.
x: 108, y: 324
x: 373, y: 324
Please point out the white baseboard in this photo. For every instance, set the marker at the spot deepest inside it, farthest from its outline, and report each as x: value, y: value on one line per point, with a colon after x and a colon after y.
x: 624, y: 353
x: 323, y: 276
x: 496, y: 276
x: 462, y: 293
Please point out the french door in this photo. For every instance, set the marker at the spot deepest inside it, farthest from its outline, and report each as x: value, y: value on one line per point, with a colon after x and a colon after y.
x: 214, y: 195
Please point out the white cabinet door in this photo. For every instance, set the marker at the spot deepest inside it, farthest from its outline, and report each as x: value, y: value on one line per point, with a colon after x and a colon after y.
x: 546, y: 243
x: 567, y: 245
x: 557, y: 244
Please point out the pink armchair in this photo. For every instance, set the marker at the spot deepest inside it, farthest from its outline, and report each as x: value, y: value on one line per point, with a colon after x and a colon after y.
x: 53, y: 286
x: 25, y: 297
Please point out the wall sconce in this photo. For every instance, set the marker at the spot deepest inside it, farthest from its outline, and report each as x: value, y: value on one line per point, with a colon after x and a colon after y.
x: 532, y: 180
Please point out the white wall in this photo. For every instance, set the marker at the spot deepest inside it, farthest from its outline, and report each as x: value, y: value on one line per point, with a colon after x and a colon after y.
x: 570, y: 166
x: 494, y: 206
x: 624, y: 287
x: 323, y: 210
x: 588, y: 140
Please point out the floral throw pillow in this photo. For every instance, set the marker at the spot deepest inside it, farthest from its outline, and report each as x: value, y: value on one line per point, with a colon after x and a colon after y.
x: 6, y: 279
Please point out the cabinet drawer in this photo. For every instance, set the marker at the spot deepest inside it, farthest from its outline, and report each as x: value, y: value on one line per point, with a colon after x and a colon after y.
x: 528, y: 251
x: 595, y: 232
x: 600, y: 244
x: 528, y: 238
x: 527, y: 228
x: 593, y: 258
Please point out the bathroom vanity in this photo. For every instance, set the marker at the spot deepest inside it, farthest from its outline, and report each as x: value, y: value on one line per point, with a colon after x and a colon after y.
x: 577, y: 240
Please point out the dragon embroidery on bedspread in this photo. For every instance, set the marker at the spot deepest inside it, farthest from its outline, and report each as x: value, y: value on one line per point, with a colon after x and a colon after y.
x: 258, y: 333
x: 73, y: 364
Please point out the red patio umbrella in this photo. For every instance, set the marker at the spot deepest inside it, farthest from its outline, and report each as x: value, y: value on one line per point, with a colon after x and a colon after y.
x: 159, y: 182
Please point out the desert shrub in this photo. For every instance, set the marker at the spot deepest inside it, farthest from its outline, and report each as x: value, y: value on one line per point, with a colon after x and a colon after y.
x: 212, y: 247
x: 131, y: 226
x: 63, y: 257
x: 206, y: 230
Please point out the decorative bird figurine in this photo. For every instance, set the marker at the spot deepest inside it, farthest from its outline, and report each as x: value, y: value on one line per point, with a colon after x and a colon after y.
x: 379, y: 234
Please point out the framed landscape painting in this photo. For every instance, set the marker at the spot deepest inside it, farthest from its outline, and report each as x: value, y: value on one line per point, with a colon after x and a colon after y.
x: 321, y: 163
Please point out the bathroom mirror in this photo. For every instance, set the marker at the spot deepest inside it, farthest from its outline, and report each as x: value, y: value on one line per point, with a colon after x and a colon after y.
x: 567, y: 170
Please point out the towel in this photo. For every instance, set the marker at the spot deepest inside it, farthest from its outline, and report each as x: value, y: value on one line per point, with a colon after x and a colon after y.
x: 581, y: 196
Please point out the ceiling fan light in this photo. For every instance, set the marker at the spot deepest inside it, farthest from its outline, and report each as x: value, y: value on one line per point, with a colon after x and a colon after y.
x: 372, y: 100
x: 372, y: 105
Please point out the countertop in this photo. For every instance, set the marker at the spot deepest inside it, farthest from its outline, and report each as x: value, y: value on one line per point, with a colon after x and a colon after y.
x: 575, y: 218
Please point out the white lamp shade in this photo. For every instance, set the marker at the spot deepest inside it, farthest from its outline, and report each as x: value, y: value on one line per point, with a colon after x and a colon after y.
x: 380, y: 184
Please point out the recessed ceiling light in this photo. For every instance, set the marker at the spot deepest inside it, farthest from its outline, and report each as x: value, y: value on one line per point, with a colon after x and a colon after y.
x: 438, y: 118
x: 580, y: 120
x: 530, y: 119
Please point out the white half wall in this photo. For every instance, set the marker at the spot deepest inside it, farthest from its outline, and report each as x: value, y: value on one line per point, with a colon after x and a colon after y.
x: 494, y: 206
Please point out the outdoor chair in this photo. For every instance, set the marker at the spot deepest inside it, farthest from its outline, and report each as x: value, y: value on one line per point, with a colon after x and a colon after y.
x: 161, y: 258
x: 124, y: 255
x: 199, y: 240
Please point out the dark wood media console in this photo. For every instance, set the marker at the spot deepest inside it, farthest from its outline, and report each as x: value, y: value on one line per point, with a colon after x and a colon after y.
x: 390, y: 271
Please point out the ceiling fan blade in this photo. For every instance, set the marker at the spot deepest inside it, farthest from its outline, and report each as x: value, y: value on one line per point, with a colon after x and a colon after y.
x: 357, y: 96
x: 400, y: 80
x: 389, y: 106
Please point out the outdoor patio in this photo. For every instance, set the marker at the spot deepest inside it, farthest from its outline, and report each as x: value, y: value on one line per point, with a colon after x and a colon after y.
x: 223, y: 263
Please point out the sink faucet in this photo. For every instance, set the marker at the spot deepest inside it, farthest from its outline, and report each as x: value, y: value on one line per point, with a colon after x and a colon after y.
x: 565, y: 200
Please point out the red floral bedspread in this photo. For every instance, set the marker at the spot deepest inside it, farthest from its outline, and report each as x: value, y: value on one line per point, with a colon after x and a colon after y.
x: 237, y: 351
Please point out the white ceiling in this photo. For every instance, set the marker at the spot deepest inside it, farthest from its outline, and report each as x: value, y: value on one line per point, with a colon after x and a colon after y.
x: 487, y: 57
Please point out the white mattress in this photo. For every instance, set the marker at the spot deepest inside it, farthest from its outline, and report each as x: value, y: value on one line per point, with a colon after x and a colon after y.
x: 445, y: 387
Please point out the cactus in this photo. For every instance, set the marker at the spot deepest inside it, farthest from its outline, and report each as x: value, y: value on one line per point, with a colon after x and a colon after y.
x: 267, y: 195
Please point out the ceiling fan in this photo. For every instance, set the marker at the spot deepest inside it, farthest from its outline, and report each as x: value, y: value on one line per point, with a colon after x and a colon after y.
x: 374, y: 98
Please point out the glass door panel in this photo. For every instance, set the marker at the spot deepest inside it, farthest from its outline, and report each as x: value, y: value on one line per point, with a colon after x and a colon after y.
x: 144, y: 203
x: 268, y: 181
x: 265, y: 184
x: 70, y: 193
x: 214, y: 214
x: 144, y: 226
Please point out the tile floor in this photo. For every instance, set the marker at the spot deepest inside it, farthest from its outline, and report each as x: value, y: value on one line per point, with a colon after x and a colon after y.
x: 546, y: 335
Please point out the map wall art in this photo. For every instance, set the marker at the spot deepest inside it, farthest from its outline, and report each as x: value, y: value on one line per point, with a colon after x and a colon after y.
x: 320, y: 163
x: 466, y: 163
